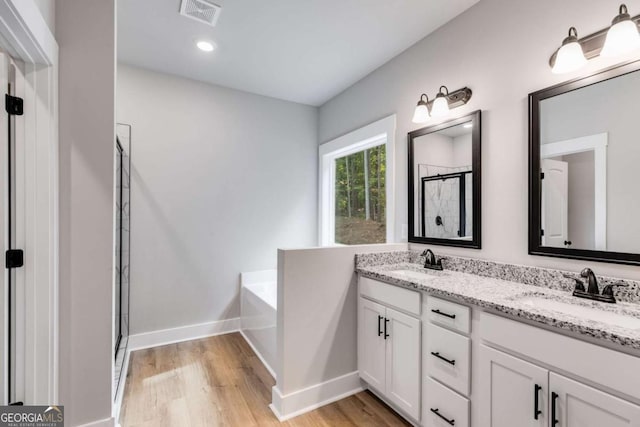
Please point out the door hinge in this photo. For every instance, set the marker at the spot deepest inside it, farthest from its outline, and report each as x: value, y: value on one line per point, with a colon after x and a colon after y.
x: 14, y: 258
x: 13, y: 105
x: 542, y: 232
x: 541, y: 175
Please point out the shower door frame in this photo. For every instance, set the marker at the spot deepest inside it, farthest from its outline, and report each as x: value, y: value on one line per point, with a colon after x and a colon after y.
x: 461, y: 176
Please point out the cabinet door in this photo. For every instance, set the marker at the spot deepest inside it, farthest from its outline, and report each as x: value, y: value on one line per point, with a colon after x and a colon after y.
x: 578, y: 405
x: 513, y: 392
x: 371, y: 343
x: 403, y: 362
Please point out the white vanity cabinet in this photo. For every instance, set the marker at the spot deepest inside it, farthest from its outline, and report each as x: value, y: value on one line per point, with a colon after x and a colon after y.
x: 514, y: 392
x: 389, y: 342
x: 519, y: 393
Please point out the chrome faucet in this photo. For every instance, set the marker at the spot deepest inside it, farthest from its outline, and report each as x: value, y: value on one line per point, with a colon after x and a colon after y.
x: 430, y: 261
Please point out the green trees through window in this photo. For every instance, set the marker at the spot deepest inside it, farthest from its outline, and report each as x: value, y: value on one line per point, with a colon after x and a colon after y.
x: 361, y: 197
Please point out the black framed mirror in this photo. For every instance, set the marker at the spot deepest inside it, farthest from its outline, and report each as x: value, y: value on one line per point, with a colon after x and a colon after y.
x: 584, y: 192
x: 445, y: 183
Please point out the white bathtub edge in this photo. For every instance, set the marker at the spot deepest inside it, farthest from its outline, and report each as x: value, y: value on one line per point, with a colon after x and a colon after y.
x: 285, y: 407
x: 264, y: 362
x: 183, y: 333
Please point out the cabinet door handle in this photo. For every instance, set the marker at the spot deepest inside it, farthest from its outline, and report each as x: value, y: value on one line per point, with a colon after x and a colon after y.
x: 554, y: 420
x: 449, y: 361
x: 386, y: 335
x: 450, y: 316
x: 536, y: 401
x: 379, y: 326
x: 437, y: 412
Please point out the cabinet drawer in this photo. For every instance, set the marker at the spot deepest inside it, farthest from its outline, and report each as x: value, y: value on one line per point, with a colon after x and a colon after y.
x: 443, y: 407
x: 390, y: 295
x: 449, y: 314
x: 447, y: 357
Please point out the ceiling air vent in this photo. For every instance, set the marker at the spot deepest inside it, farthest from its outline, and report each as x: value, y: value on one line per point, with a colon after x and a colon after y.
x: 201, y: 10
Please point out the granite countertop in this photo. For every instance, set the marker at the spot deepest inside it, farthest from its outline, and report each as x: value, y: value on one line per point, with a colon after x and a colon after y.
x: 510, y: 297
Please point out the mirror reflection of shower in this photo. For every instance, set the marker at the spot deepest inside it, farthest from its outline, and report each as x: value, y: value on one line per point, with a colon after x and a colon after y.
x: 122, y: 247
x: 445, y: 195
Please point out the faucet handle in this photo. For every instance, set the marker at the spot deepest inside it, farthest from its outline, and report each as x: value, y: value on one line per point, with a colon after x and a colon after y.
x: 579, y: 283
x: 608, y: 290
x: 425, y: 252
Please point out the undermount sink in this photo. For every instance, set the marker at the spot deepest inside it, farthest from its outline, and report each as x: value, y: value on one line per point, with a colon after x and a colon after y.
x: 604, y: 316
x: 422, y: 274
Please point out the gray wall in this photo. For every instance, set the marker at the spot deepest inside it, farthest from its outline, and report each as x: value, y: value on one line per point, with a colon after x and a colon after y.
x: 86, y: 37
x: 220, y: 180
x: 500, y: 49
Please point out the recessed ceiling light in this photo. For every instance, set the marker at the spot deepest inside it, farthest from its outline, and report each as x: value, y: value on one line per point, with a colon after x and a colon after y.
x: 205, y: 46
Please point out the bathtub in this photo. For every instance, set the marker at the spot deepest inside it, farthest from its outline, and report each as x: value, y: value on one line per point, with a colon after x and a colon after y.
x: 258, y: 313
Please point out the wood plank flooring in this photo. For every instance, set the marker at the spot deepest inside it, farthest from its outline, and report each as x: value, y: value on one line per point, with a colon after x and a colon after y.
x: 219, y: 381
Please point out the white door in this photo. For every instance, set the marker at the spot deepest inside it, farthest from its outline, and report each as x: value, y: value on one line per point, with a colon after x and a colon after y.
x: 578, y: 405
x: 513, y: 392
x: 555, y: 203
x: 371, y: 343
x: 403, y: 362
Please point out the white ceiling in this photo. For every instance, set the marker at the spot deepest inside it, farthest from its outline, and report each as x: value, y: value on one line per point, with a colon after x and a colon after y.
x: 304, y: 51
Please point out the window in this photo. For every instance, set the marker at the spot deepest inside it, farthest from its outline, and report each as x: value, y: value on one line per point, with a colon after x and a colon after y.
x: 356, y: 186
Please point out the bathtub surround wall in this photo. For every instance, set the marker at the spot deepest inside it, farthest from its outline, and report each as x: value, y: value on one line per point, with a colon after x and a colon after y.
x: 220, y: 179
x: 316, y: 332
x: 85, y: 32
x: 502, y: 64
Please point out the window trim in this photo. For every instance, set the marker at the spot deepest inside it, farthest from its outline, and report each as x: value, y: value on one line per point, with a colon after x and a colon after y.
x: 372, y: 135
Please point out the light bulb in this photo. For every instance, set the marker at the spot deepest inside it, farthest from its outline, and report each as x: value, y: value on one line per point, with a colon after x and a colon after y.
x: 570, y: 56
x: 421, y: 113
x: 622, y: 38
x: 440, y: 106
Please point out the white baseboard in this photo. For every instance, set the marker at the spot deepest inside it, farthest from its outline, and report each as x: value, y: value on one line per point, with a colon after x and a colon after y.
x: 299, y: 402
x: 266, y: 365
x: 107, y: 422
x: 183, y: 333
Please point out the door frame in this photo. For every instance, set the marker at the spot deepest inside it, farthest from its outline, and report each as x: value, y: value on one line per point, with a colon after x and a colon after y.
x: 25, y: 36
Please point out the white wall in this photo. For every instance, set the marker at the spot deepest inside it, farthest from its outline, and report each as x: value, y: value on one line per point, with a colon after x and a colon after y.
x: 500, y: 49
x: 220, y: 180
x: 48, y: 11
x: 86, y: 36
x: 317, y: 316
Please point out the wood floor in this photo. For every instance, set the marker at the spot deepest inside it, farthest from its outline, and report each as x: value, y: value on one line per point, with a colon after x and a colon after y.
x: 219, y: 381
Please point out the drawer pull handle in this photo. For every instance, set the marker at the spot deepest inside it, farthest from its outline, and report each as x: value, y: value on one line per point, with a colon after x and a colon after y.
x: 450, y: 316
x: 554, y: 420
x: 437, y: 354
x: 379, y: 326
x: 536, y: 401
x: 437, y: 412
x: 386, y: 321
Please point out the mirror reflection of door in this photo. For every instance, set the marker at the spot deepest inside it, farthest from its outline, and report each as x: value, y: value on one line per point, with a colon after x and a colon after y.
x: 555, y: 203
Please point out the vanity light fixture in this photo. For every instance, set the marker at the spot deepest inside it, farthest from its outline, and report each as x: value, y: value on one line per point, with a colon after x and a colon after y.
x: 440, y: 106
x: 570, y: 56
x: 621, y: 38
x: 421, y: 114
